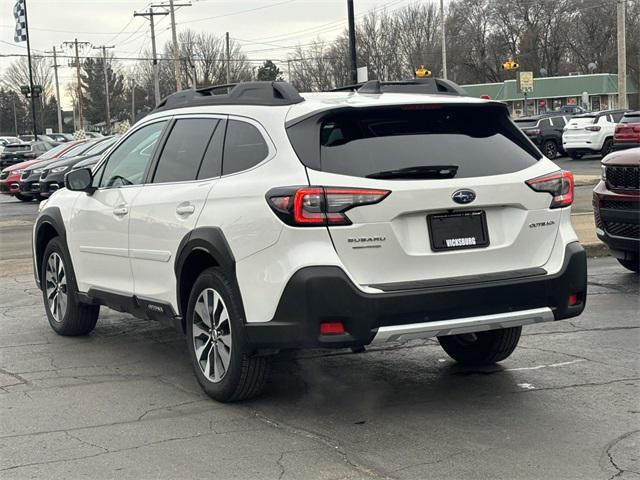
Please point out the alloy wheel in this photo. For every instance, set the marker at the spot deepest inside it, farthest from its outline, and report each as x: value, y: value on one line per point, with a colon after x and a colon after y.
x: 56, y: 286
x: 212, y: 335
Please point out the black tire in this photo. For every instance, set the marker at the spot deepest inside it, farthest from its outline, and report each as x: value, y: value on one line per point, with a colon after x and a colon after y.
x: 482, y: 348
x: 576, y: 155
x: 40, y: 198
x: 632, y: 264
x: 78, y: 318
x: 246, y: 373
x: 23, y: 198
x: 607, y: 146
x: 550, y: 149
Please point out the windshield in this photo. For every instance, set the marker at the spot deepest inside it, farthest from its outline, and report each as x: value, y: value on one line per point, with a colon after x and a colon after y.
x: 78, y: 149
x: 54, y: 152
x: 100, y: 147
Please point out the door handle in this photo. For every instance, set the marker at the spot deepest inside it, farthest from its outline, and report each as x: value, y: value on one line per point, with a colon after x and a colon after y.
x: 187, y: 209
x: 120, y: 211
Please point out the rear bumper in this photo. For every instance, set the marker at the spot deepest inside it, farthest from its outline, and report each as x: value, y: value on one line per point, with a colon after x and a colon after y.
x: 619, y: 145
x: 315, y: 295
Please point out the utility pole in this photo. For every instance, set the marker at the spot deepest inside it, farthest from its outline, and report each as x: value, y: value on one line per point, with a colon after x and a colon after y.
x: 133, y: 101
x: 58, y: 99
x: 444, y: 40
x: 156, y: 77
x: 622, y: 56
x: 106, y: 83
x: 228, y: 58
x: 171, y: 10
x: 15, y: 116
x: 76, y: 45
x: 352, y: 42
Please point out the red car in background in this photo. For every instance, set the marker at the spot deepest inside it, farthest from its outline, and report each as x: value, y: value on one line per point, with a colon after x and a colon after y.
x: 616, y: 206
x: 10, y: 176
x: 627, y: 132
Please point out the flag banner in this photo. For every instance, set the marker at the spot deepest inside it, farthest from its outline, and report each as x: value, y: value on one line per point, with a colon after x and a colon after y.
x: 21, y: 22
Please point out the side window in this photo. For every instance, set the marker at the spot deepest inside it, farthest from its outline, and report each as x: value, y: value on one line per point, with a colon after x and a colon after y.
x: 185, y: 147
x: 127, y: 163
x: 617, y: 116
x: 212, y: 162
x: 545, y: 123
x: 244, y: 147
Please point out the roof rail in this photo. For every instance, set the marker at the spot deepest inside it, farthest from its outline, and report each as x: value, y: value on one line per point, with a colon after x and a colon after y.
x: 439, y: 86
x: 243, y: 93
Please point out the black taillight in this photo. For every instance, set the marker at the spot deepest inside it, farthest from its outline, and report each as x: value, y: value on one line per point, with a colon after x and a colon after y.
x: 320, y: 206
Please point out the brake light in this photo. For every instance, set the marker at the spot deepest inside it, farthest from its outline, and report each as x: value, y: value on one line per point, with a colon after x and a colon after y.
x: 331, y: 328
x: 319, y: 206
x: 594, y: 128
x: 558, y: 184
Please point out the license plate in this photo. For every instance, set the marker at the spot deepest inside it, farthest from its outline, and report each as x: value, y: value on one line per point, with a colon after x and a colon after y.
x: 460, y: 230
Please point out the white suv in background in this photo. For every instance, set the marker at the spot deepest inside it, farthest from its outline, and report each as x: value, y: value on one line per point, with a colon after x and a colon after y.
x: 259, y: 220
x: 590, y: 133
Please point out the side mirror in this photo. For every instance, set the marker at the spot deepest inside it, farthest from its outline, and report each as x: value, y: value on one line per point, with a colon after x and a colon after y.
x: 79, y: 180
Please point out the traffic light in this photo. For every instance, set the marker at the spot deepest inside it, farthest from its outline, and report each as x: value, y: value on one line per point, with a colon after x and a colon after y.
x: 422, y: 72
x: 510, y: 64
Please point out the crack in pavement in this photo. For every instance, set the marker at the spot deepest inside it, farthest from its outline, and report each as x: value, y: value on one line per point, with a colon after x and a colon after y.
x: 577, y: 385
x: 322, y: 439
x: 607, y: 453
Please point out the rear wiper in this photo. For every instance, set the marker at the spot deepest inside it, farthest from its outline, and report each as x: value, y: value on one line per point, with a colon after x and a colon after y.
x: 432, y: 171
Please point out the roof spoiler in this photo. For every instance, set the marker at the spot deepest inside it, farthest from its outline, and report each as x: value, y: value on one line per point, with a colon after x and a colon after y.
x: 433, y: 86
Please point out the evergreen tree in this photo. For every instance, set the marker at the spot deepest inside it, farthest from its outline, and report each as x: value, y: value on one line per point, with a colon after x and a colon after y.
x: 269, y: 71
x: 94, y: 104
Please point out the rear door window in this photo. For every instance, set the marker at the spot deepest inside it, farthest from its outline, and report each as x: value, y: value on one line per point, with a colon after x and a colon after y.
x: 617, y: 116
x: 545, y: 123
x: 244, y: 147
x: 184, y: 149
x: 476, y: 141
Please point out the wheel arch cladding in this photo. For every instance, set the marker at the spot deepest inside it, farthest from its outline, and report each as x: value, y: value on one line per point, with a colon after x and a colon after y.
x: 49, y: 225
x: 200, y: 249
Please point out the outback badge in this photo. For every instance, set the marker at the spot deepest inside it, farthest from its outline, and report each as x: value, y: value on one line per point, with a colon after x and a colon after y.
x: 463, y: 196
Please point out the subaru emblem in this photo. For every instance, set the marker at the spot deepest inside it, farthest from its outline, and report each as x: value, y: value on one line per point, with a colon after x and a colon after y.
x: 463, y: 196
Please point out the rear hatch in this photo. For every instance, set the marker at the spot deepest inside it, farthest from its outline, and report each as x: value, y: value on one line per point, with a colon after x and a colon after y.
x: 458, y: 203
x: 578, y: 129
x: 628, y: 130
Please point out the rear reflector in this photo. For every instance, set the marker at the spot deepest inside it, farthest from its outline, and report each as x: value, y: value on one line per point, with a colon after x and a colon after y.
x: 331, y: 328
x: 320, y: 206
x: 573, y: 299
x: 558, y: 184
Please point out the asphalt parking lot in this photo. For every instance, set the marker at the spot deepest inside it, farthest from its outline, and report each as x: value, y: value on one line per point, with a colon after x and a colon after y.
x: 123, y: 403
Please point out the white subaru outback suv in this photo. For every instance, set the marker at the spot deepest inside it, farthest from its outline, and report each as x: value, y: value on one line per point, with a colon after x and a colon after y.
x: 260, y: 220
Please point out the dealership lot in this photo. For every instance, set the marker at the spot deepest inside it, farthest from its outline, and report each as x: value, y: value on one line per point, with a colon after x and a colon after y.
x: 123, y: 402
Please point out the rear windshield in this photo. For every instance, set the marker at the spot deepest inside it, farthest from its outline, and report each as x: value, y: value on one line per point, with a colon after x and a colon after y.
x: 631, y: 118
x: 363, y: 142
x: 18, y: 148
x: 583, y: 120
x: 526, y: 123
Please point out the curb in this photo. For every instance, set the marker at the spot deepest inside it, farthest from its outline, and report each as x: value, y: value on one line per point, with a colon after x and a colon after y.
x: 595, y: 249
x: 585, y: 180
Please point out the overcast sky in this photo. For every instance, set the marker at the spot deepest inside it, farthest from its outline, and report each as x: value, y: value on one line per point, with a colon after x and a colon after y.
x: 278, y: 23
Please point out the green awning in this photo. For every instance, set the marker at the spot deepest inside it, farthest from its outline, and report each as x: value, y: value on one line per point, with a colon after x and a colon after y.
x: 554, y: 87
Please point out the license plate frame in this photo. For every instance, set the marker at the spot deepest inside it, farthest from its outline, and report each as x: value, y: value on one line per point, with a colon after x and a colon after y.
x: 472, y: 223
